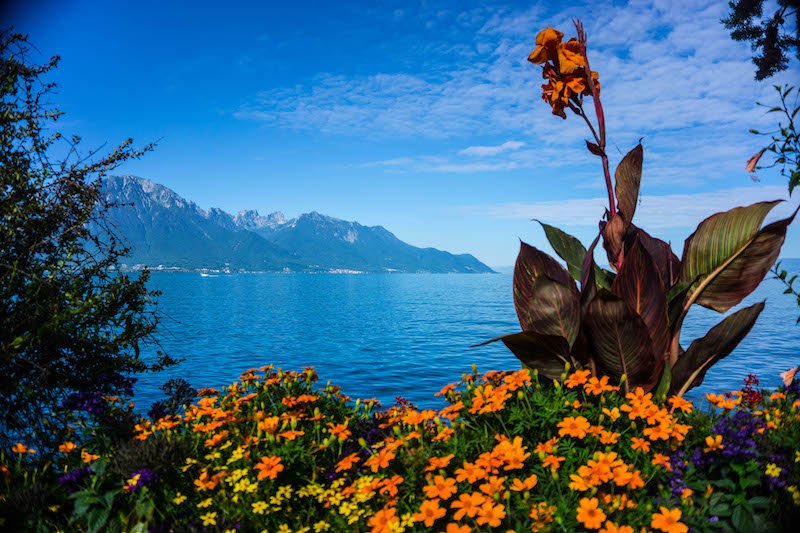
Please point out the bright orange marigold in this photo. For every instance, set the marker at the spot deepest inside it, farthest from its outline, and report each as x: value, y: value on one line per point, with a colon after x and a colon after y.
x: 429, y: 512
x: 269, y: 467
x: 574, y: 427
x: 589, y: 514
x: 667, y: 520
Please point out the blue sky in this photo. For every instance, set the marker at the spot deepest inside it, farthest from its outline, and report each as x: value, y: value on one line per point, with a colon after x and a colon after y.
x: 423, y: 117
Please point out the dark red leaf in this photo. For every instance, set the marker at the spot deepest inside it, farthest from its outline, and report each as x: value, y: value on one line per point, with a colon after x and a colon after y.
x: 621, y: 343
x: 638, y: 283
x: 553, y: 309
x: 628, y: 178
x: 719, y: 342
x: 548, y: 354
x: 667, y: 263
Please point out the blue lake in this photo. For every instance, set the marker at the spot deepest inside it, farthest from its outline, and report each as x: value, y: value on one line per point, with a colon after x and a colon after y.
x: 387, y: 335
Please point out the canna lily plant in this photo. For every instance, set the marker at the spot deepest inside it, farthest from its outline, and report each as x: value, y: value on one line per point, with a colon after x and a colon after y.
x: 626, y: 323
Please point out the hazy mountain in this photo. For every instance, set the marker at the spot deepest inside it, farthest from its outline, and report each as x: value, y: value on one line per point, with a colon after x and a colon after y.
x: 165, y: 229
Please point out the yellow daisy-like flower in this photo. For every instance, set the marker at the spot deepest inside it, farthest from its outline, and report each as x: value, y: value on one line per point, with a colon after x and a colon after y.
x: 259, y: 507
x: 773, y: 470
x: 209, y: 519
x: 178, y: 499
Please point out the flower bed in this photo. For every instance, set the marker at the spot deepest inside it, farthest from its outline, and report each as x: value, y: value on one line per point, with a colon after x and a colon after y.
x: 510, y: 451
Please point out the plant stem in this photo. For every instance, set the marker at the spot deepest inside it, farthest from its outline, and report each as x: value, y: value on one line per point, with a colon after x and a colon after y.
x: 601, y: 120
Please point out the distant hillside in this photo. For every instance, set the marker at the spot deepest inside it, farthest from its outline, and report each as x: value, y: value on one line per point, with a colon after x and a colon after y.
x: 165, y: 229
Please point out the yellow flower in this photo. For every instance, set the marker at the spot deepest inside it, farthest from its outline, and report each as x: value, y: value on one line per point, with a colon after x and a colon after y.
x: 209, y: 519
x: 259, y: 507
x: 773, y: 470
x: 178, y: 499
x: 322, y: 525
x: 205, y: 503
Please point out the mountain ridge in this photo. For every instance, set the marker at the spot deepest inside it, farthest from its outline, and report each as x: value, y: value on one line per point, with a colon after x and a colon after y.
x: 166, y: 231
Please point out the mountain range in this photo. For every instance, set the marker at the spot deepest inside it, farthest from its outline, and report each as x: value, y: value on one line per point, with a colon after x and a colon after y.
x: 167, y: 231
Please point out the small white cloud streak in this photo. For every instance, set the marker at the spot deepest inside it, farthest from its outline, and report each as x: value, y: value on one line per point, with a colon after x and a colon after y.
x: 657, y: 211
x: 484, y: 151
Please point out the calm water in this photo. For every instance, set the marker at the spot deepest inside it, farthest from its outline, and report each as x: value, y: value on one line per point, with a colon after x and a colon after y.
x: 395, y: 334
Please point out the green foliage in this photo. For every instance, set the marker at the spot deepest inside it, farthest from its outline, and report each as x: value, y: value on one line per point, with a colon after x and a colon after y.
x: 70, y: 324
x: 770, y: 36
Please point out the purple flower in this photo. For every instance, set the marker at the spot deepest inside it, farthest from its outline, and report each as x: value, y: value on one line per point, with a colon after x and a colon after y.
x: 73, y: 479
x: 91, y: 402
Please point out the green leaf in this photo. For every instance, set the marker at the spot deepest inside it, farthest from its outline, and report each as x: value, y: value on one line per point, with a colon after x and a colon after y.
x: 638, y: 283
x: 620, y: 340
x: 760, y: 501
x: 718, y: 343
x: 628, y: 178
x: 742, y: 520
x: 660, y: 394
x: 724, y: 484
x: 545, y: 296
x: 567, y: 247
x: 547, y: 353
x: 97, y: 518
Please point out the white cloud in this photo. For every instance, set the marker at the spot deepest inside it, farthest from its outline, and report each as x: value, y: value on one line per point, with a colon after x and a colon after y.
x: 669, y: 71
x: 657, y: 211
x: 483, y: 151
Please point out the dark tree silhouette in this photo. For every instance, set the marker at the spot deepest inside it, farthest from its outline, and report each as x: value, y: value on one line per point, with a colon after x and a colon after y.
x: 774, y: 38
x: 71, y: 323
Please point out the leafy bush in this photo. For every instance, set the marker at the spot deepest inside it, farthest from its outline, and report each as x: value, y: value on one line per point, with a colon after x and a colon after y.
x: 70, y: 324
x: 628, y: 323
x: 510, y: 450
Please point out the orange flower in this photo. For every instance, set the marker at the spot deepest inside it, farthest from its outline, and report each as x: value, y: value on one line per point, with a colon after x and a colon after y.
x: 526, y: 484
x: 589, y: 514
x: 291, y: 434
x: 547, y: 42
x: 467, y: 504
x: 452, y: 527
x: 441, y: 488
x: 384, y: 520
x: 87, y: 457
x: 570, y: 57
x: 436, y: 463
x: 661, y: 431
x: 493, y: 485
x: 660, y: 459
x: 429, y: 512
x: 640, y: 444
x: 491, y: 514
x: 713, y: 443
x: 348, y: 462
x: 339, y: 431
x: 380, y: 459
x: 611, y: 527
x: 470, y: 473
x: 609, y: 437
x: 21, y: 448
x: 553, y: 461
x: 269, y: 425
x: 595, y: 386
x: 577, y: 378
x: 574, y: 427
x: 546, y: 447
x: 668, y: 520
x: 269, y: 467
x: 679, y: 403
x: 67, y: 447
x: 613, y: 414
